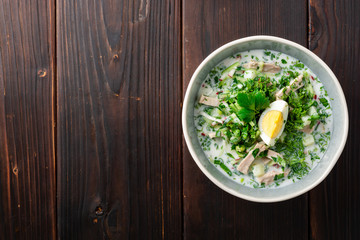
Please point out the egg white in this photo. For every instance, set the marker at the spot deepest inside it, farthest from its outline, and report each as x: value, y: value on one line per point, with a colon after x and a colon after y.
x: 281, y: 106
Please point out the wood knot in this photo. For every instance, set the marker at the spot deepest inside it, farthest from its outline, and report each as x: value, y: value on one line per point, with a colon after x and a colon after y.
x: 15, y: 171
x: 99, y: 211
x: 116, y: 57
x: 42, y: 73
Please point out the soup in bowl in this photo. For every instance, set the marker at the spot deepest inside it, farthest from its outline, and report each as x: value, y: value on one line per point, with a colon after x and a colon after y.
x: 259, y: 117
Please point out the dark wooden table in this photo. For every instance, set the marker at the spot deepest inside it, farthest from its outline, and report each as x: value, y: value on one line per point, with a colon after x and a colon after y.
x: 91, y: 143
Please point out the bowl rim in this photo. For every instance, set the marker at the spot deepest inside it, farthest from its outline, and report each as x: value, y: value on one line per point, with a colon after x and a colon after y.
x: 223, y: 186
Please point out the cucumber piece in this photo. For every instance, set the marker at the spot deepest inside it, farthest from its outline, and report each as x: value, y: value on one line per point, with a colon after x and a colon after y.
x: 261, y: 66
x: 310, y: 89
x: 235, y: 140
x: 231, y: 73
x: 228, y: 72
x: 258, y: 170
x: 235, y: 119
x: 272, y: 162
x: 210, y: 118
x: 201, y: 120
x: 235, y: 107
x: 252, y: 123
x: 312, y: 111
x: 208, y: 121
x: 250, y: 74
x: 306, y: 120
x: 224, y: 107
x: 223, y: 95
x: 308, y: 140
x: 219, y: 112
x: 240, y: 148
x: 232, y: 66
x: 241, y: 79
x: 282, y: 137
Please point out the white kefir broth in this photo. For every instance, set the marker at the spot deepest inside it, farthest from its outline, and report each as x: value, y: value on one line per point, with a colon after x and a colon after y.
x: 219, y: 147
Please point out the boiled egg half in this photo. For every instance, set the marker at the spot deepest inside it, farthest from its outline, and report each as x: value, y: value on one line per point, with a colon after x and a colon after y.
x: 272, y: 121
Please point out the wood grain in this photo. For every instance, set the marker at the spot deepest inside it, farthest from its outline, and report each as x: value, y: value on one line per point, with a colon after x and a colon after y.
x: 335, y: 37
x: 210, y: 213
x: 111, y: 76
x: 119, y: 130
x: 27, y: 171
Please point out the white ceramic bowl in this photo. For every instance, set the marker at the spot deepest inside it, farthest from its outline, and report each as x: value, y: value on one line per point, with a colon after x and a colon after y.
x: 339, y: 107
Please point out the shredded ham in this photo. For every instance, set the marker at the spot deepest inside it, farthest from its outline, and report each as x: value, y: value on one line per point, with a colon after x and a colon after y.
x: 213, y: 135
x: 210, y: 101
x: 251, y: 65
x: 247, y: 161
x: 267, y: 67
x: 271, y: 154
x: 271, y: 68
x: 268, y: 177
x: 308, y: 129
x: 265, y: 160
x: 294, y: 85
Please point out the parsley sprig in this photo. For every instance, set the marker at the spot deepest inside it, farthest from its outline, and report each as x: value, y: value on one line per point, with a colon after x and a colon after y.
x: 251, y: 104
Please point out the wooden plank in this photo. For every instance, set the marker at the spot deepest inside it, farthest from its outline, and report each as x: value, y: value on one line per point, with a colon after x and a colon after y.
x: 335, y: 37
x: 119, y: 94
x: 27, y: 167
x: 210, y: 213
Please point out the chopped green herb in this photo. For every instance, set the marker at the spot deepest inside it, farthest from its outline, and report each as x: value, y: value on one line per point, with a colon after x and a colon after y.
x: 230, y: 155
x: 278, y: 176
x: 223, y: 167
x: 255, y: 152
x: 324, y: 102
x: 299, y: 65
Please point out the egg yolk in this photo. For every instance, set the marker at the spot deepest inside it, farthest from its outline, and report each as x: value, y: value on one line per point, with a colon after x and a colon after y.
x: 272, y: 123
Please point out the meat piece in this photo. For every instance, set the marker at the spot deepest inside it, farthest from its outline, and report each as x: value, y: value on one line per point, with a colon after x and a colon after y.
x: 294, y: 85
x: 268, y: 177
x: 210, y: 101
x: 308, y: 129
x: 271, y: 154
x: 213, y: 134
x: 247, y: 161
x: 271, y: 68
x: 279, y: 94
x: 266, y: 67
x: 213, y: 124
x: 265, y: 160
x: 251, y: 65
x: 269, y: 84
